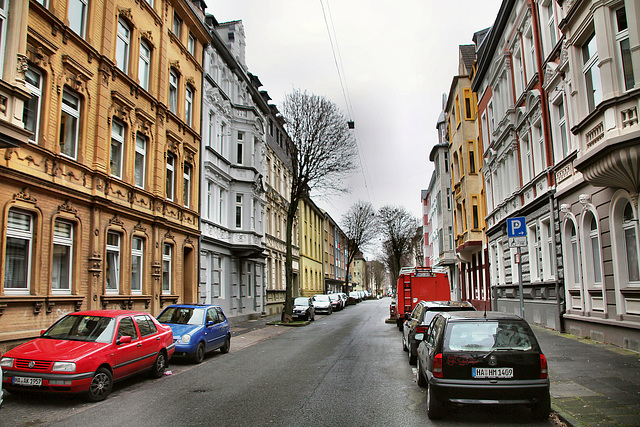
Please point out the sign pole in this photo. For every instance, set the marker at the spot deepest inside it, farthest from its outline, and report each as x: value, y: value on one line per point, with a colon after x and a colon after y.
x: 520, y: 284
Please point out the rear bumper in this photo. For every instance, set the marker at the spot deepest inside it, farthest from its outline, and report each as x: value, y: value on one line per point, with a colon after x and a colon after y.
x: 491, y: 391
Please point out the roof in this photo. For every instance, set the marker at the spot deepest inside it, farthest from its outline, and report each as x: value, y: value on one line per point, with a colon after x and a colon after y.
x: 468, y: 55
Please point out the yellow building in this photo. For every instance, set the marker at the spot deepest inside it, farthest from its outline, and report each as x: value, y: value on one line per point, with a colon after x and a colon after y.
x: 310, y: 224
x: 100, y: 208
x: 465, y: 148
x: 358, y: 273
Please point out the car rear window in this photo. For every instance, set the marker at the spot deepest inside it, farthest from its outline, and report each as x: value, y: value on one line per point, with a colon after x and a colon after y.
x: 488, y: 335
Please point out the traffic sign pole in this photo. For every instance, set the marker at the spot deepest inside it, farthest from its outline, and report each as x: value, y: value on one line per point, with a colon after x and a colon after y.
x: 520, y: 284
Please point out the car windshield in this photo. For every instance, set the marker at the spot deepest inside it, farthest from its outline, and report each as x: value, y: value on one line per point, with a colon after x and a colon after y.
x: 182, y: 316
x: 488, y: 336
x: 322, y: 298
x: 82, y: 328
x: 301, y: 301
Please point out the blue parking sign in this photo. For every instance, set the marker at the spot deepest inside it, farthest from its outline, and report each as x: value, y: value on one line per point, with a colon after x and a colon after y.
x: 516, y: 227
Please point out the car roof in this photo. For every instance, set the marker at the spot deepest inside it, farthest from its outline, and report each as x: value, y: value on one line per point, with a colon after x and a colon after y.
x: 106, y: 313
x: 192, y: 305
x: 436, y: 304
x: 479, y: 315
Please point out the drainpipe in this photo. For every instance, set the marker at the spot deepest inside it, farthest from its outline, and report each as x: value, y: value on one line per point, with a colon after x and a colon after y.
x: 555, y: 263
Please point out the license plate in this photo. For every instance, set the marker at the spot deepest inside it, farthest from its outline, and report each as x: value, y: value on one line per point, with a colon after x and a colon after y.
x: 492, y: 372
x: 28, y: 381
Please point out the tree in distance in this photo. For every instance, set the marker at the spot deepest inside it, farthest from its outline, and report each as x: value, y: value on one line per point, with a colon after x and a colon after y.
x: 359, y: 226
x: 398, y: 227
x: 322, y: 152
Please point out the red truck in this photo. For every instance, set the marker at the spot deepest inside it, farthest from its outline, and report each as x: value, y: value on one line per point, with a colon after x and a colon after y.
x: 417, y: 284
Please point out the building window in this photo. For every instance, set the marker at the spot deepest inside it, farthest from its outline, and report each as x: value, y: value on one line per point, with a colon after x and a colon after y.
x: 551, y: 24
x: 31, y: 112
x: 221, y: 135
x: 144, y: 65
x: 539, y: 152
x: 117, y: 142
x: 622, y: 38
x: 212, y: 121
x: 547, y: 250
x: 594, y: 251
x: 186, y: 185
x: 17, y: 267
x: 62, y: 257
x: 472, y: 157
x: 78, y: 16
x: 122, y: 46
x: 575, y: 256
x: 239, y: 200
x: 171, y: 161
x: 535, y: 265
x: 112, y: 271
x: 240, y: 148
x: 216, y: 276
x: 448, y: 199
x: 457, y: 111
x: 591, y: 72
x: 188, y: 105
x: 562, y: 127
x: 630, y: 243
x: 3, y: 32
x: 191, y: 44
x: 475, y: 213
x: 173, y: 92
x: 468, y: 104
x: 137, y: 258
x: 140, y: 161
x: 69, y: 123
x: 166, y: 268
x: 527, y: 166
x: 177, y: 25
x: 221, y: 206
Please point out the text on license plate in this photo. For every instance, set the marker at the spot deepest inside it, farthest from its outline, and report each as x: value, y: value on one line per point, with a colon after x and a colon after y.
x: 35, y: 382
x: 492, y: 372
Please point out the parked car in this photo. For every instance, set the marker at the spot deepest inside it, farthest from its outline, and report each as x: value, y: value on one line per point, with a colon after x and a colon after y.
x: 419, y: 320
x: 336, y: 302
x: 87, y: 351
x: 322, y: 304
x: 354, y: 297
x: 344, y: 298
x: 473, y: 357
x: 197, y: 329
x: 303, y: 309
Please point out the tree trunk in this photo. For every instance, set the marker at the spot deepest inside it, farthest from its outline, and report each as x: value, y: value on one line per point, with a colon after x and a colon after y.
x: 287, y: 315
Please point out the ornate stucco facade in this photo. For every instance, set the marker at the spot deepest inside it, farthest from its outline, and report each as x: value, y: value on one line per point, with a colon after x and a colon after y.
x: 100, y: 207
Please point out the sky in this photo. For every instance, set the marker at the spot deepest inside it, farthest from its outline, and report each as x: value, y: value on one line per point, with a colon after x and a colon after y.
x: 396, y: 58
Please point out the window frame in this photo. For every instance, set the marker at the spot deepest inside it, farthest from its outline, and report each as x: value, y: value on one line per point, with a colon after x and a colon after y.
x: 36, y: 92
x: 76, y: 116
x: 137, y: 254
x: 170, y: 176
x: 174, y: 83
x: 238, y: 210
x: 25, y: 235
x: 117, y: 139
x: 591, y: 72
x: 140, y: 153
x: 167, y: 261
x: 113, y: 252
x: 622, y: 36
x: 186, y: 184
x: 188, y: 105
x: 123, y: 45
x: 84, y: 6
x: 144, y: 65
x: 67, y: 242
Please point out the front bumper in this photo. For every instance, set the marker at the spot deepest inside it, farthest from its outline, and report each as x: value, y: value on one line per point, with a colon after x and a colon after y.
x: 69, y: 383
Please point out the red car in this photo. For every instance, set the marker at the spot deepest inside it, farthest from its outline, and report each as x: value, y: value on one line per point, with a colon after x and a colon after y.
x: 87, y: 351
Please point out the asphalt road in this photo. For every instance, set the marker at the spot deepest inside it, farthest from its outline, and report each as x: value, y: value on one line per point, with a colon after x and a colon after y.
x: 346, y: 369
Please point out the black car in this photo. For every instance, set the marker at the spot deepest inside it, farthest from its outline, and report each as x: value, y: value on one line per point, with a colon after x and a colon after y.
x: 419, y: 320
x: 303, y: 309
x: 479, y: 357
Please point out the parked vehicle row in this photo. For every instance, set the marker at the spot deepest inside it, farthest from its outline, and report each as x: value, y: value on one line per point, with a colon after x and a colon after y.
x: 85, y: 352
x: 465, y: 356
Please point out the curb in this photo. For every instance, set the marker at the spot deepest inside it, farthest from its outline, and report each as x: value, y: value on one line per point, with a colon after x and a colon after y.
x: 565, y: 417
x: 291, y: 325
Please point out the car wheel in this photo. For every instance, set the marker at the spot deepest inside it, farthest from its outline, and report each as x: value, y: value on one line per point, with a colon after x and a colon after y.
x: 198, y: 356
x: 227, y: 345
x: 412, y: 357
x: 100, y: 385
x: 434, y: 406
x: 420, y: 378
x: 541, y: 410
x: 159, y: 366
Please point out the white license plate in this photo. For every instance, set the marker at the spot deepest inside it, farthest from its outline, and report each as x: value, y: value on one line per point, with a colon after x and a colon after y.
x: 33, y: 382
x: 492, y: 372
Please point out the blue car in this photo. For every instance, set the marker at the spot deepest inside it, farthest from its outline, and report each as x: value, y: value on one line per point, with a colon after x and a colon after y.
x: 197, y: 329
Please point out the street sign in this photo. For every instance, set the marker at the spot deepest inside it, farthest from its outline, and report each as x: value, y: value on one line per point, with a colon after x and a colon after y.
x: 517, y: 232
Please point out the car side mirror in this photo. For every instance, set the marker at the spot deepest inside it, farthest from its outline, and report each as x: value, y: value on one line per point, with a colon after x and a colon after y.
x: 42, y: 331
x: 210, y: 323
x: 419, y: 337
x: 125, y: 339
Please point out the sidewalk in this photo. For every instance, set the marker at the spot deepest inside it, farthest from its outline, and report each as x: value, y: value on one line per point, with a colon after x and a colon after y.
x: 592, y: 384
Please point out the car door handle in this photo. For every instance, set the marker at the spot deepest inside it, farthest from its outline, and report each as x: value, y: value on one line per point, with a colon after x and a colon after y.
x: 139, y: 345
x: 157, y: 338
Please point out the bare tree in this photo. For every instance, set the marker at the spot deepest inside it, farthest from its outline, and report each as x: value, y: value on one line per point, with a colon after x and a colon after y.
x: 398, y: 228
x: 322, y: 153
x: 359, y: 226
x: 378, y: 271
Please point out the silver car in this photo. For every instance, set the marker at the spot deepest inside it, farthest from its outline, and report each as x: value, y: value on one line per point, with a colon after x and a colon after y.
x: 322, y: 304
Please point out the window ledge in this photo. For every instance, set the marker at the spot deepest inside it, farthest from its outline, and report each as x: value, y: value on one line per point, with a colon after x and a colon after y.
x: 125, y: 301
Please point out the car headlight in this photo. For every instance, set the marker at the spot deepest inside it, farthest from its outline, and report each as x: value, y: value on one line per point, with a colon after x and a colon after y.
x: 185, y: 338
x: 64, y: 367
x: 6, y: 362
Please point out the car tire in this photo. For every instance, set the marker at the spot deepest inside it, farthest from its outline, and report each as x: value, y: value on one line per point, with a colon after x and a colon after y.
x: 159, y: 366
x: 227, y: 345
x: 100, y: 385
x: 434, y: 406
x: 541, y: 410
x: 198, y: 356
x: 420, y: 378
x: 412, y: 357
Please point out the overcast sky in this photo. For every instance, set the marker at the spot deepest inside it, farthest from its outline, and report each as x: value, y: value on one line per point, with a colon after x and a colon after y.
x: 398, y: 58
